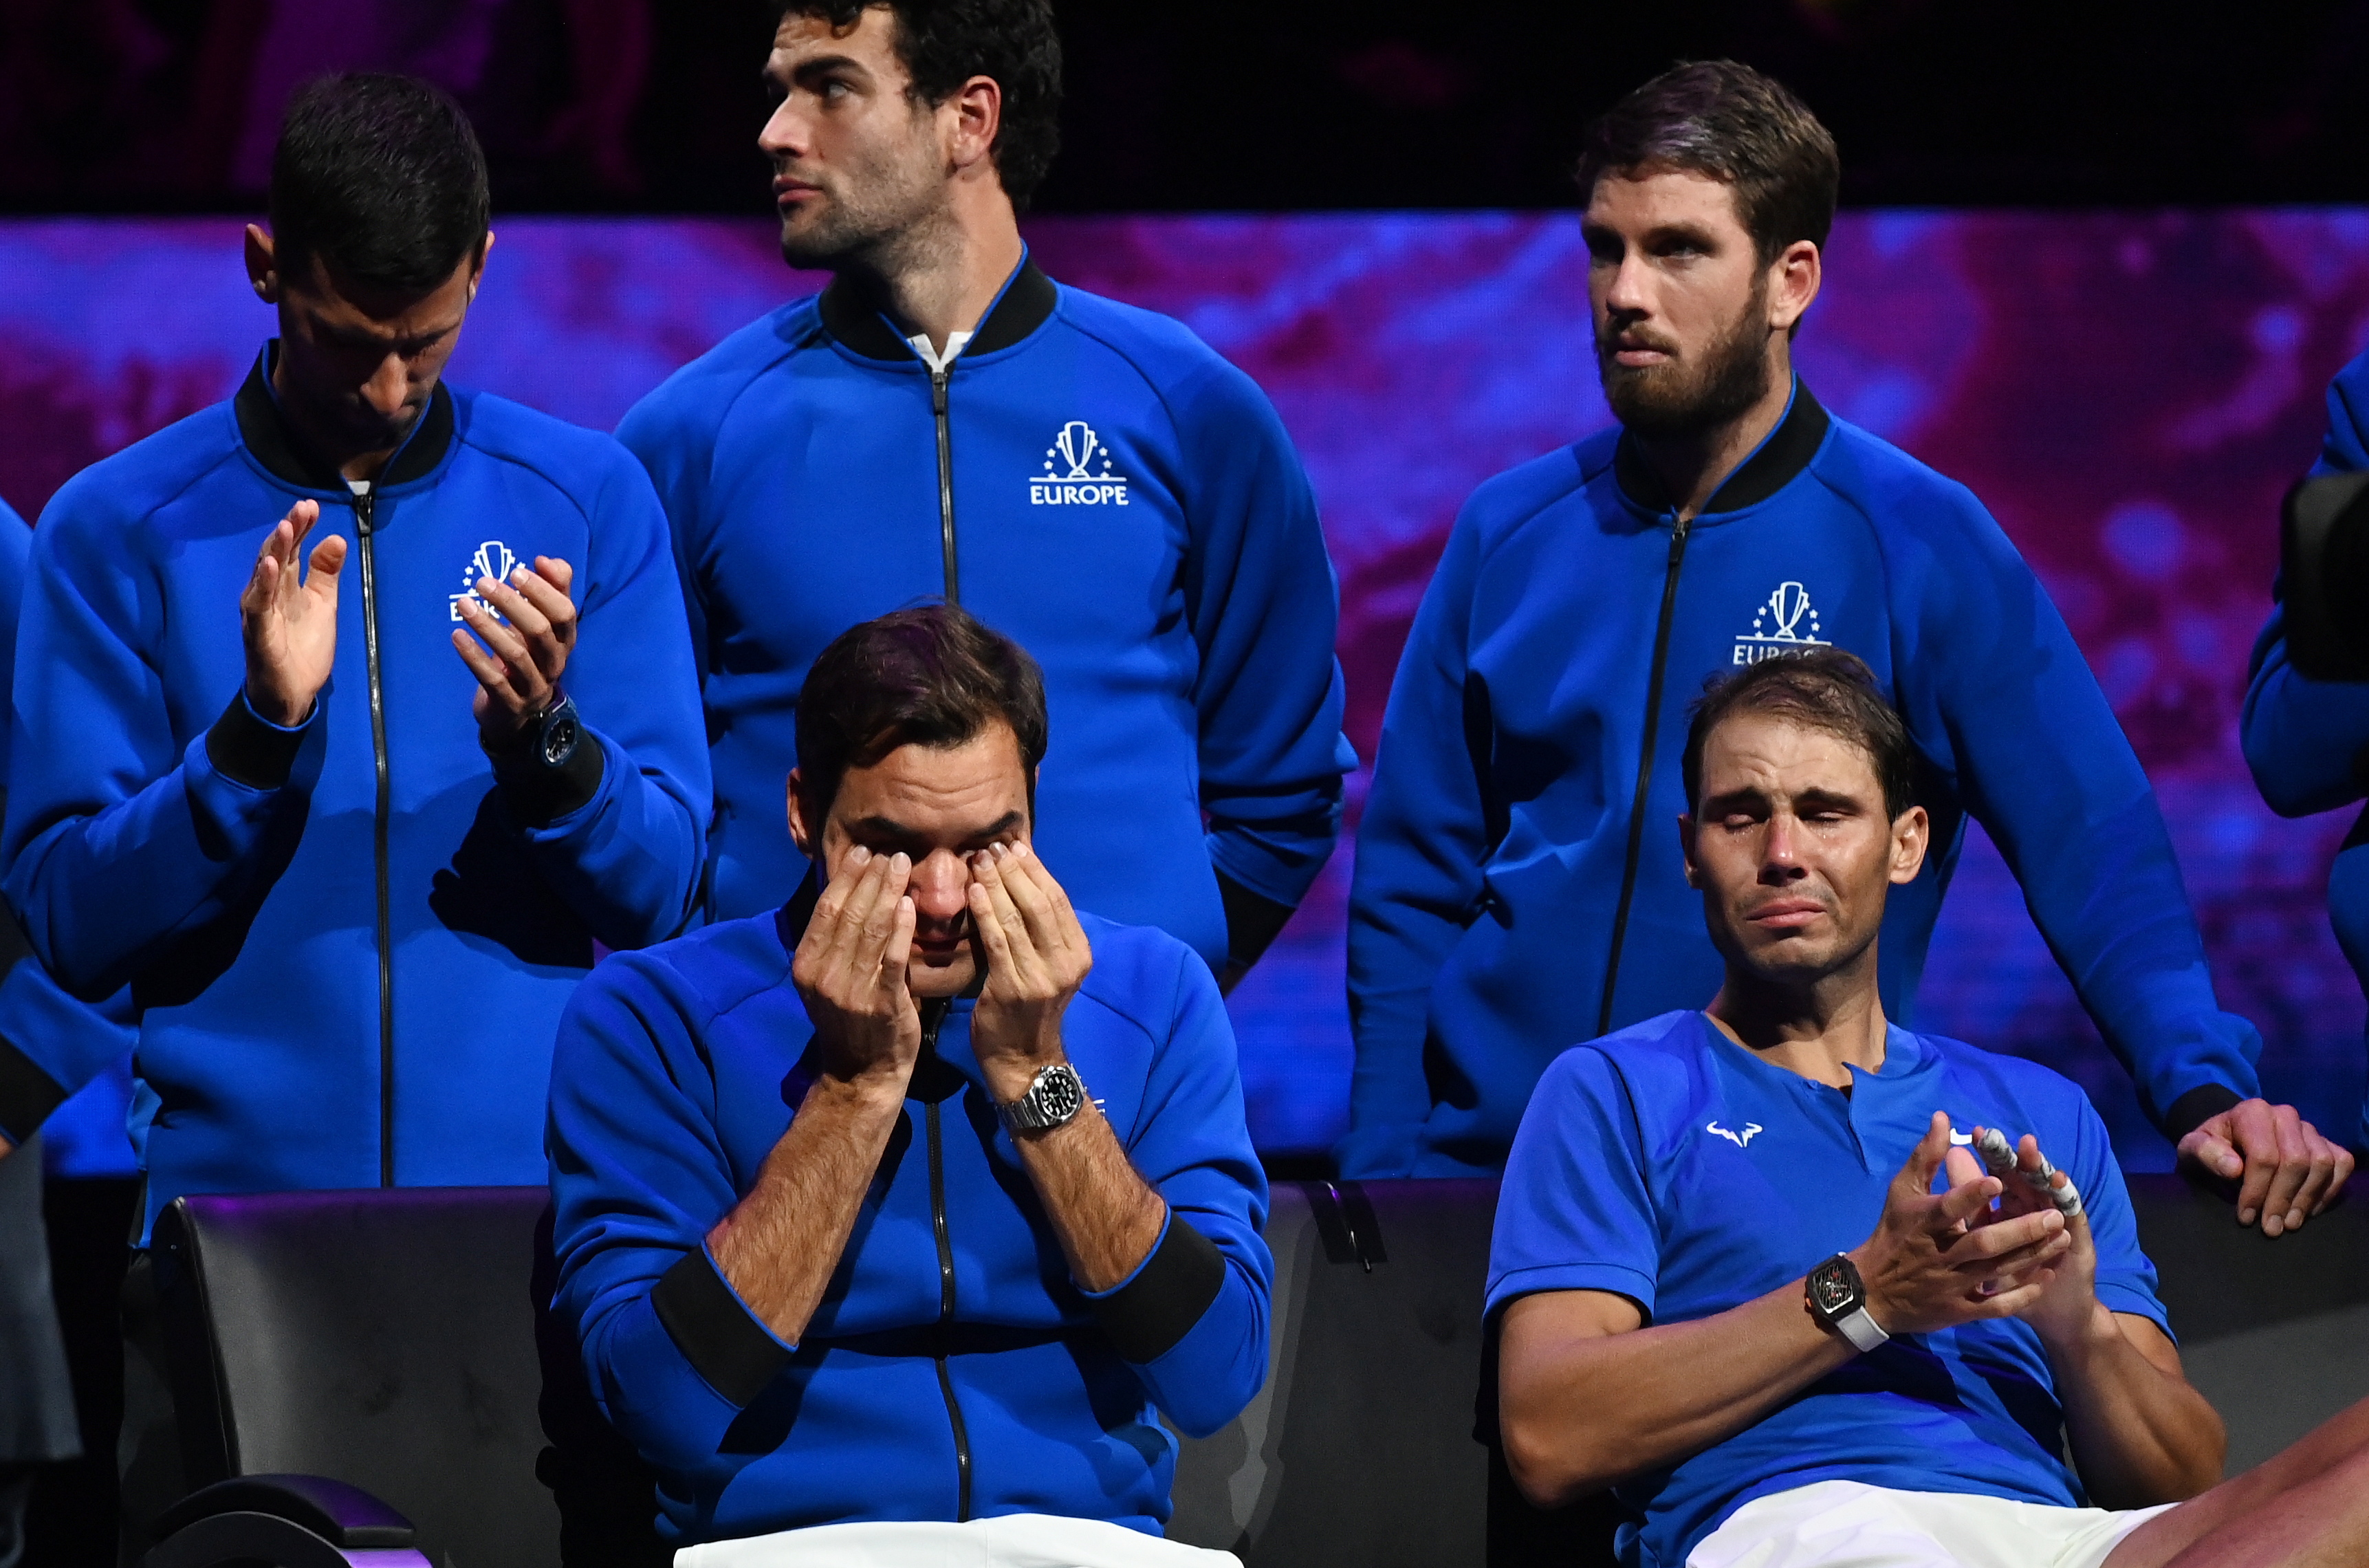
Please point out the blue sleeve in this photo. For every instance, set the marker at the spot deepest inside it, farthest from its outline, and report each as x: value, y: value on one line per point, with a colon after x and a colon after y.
x: 1260, y: 593
x: 121, y: 833
x: 639, y: 1177
x: 1574, y: 1212
x: 1420, y: 848
x: 677, y: 451
x: 2305, y: 741
x: 628, y: 861
x: 1997, y: 692
x: 1191, y: 1142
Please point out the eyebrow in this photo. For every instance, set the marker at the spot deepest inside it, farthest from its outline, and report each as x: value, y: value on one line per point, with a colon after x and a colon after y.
x: 815, y: 65
x: 890, y: 828
x: 1809, y: 800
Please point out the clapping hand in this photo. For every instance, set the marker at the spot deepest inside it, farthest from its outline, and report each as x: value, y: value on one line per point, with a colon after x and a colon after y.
x: 1938, y: 1260
x: 2064, y: 1299
x: 1037, y: 959
x: 850, y: 971
x: 518, y: 666
x: 288, y: 619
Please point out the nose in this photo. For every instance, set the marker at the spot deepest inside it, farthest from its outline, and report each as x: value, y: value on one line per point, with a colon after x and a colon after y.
x: 940, y: 888
x: 1626, y: 297
x: 1780, y: 852
x: 388, y: 386
x: 785, y: 136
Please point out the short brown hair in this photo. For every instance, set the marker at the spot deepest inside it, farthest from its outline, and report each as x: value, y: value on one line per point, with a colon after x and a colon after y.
x: 1729, y: 123
x: 1826, y: 690
x: 934, y: 675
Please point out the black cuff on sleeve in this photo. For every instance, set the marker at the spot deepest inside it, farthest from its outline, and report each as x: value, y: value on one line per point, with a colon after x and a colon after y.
x: 2196, y: 1107
x: 715, y: 1331
x: 244, y: 749
x: 1149, y: 1314
x: 538, y: 795
x: 1252, y: 921
x: 28, y: 1094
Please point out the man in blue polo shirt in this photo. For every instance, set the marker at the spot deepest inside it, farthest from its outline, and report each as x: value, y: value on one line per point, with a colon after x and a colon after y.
x: 1729, y: 1283
x: 1530, y: 752
x: 888, y: 1218
x: 946, y: 422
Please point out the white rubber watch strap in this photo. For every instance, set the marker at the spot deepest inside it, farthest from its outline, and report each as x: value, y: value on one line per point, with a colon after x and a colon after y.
x: 1860, y: 1330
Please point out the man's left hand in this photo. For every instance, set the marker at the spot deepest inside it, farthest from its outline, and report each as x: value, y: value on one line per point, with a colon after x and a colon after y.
x: 2068, y: 1306
x: 518, y: 666
x: 1037, y: 959
x: 2286, y: 1169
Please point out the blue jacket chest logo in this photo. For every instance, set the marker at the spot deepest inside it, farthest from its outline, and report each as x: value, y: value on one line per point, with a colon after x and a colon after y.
x: 493, y: 559
x: 1786, y: 622
x: 1077, y: 472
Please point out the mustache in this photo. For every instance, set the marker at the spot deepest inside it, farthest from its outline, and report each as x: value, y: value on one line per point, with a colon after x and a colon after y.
x: 1611, y: 343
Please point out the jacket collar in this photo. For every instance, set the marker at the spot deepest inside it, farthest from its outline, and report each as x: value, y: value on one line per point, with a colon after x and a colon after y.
x: 1780, y: 456
x: 264, y: 425
x: 1025, y: 304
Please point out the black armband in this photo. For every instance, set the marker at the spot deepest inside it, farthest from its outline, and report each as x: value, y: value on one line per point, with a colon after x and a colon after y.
x: 715, y: 1331
x: 1148, y: 1315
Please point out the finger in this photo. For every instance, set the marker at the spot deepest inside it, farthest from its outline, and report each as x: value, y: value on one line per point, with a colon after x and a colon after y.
x: 855, y: 911
x: 2250, y: 1127
x: 491, y: 672
x: 301, y: 519
x: 879, y: 926
x: 1070, y: 937
x: 558, y: 573
x: 2212, y: 1152
x: 2319, y: 1173
x: 1961, y: 1205
x: 2018, y: 1261
x: 550, y: 601
x: 1982, y: 1249
x: 261, y: 583
x: 525, y: 676
x: 992, y: 933
x: 2294, y: 1169
x: 899, y: 954
x: 1016, y: 875
x: 987, y: 877
x: 1916, y: 1176
x: 823, y: 930
x: 1962, y: 1168
x: 328, y: 559
x: 516, y: 607
x: 2342, y: 1174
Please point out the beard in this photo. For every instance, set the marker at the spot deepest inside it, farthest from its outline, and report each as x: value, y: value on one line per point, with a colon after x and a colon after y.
x: 1678, y: 399
x: 870, y: 213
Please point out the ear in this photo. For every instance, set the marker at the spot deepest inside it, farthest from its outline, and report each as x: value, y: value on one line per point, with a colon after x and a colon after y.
x: 978, y: 114
x: 1687, y: 848
x: 1911, y: 831
x: 477, y: 264
x: 262, y: 264
x: 801, y: 833
x: 1794, y: 279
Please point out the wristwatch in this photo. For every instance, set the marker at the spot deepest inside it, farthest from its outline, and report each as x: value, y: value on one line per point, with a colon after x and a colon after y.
x: 1055, y: 1096
x: 553, y: 736
x: 1839, y: 1299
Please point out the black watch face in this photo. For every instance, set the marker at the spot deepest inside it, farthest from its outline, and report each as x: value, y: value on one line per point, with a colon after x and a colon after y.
x: 1831, y: 1289
x: 558, y: 740
x: 1060, y: 1095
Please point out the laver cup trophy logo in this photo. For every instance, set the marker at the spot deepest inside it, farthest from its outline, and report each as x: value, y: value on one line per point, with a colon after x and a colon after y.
x: 493, y: 560
x: 1077, y: 472
x: 1787, y: 623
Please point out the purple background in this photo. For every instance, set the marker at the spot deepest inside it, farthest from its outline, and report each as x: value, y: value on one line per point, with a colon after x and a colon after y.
x: 2130, y: 393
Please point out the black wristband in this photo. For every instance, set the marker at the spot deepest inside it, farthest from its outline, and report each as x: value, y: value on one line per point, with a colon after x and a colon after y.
x: 2196, y: 1107
x: 539, y: 795
x: 715, y: 1331
x: 1149, y: 1314
x: 246, y: 750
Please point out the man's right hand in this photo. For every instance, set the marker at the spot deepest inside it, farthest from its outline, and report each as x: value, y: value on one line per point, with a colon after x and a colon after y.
x: 1931, y: 1265
x: 850, y: 971
x: 289, y: 619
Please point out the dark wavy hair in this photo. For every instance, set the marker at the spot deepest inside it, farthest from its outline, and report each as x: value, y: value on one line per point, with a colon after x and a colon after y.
x: 1729, y: 123
x: 1826, y: 690
x: 943, y: 43
x: 934, y: 675
x: 381, y: 176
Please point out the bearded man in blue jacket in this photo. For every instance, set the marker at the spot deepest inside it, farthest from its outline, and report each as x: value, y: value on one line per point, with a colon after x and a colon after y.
x: 351, y: 844
x: 945, y: 421
x: 889, y: 1218
x: 2304, y: 738
x: 1518, y: 888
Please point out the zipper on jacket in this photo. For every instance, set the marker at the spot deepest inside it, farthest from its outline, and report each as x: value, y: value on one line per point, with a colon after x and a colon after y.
x: 365, y: 530
x: 945, y: 1268
x: 1645, y: 769
x: 939, y: 379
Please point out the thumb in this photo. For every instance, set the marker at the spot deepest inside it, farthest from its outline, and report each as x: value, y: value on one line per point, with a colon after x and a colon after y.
x: 1916, y: 1178
x: 2213, y: 1152
x: 328, y: 559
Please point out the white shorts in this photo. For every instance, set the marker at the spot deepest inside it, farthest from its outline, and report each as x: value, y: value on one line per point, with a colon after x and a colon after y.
x: 1008, y: 1541
x: 1847, y: 1524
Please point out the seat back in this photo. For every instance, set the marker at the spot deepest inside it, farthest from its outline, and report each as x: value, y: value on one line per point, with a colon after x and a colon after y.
x: 2270, y: 1328
x: 1359, y: 1450
x: 386, y: 1339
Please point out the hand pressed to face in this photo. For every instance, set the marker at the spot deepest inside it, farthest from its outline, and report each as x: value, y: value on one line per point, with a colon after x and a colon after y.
x: 518, y: 666
x: 850, y: 971
x: 1936, y: 1261
x: 288, y: 619
x: 1037, y: 959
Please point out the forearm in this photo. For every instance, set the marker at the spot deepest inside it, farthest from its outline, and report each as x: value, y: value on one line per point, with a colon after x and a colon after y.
x: 1580, y: 1411
x: 2140, y: 1436
x: 780, y: 1245
x: 1104, y: 1214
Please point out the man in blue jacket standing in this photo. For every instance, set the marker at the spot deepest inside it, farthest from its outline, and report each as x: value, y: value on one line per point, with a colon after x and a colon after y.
x: 350, y: 842
x: 2304, y: 738
x: 899, y: 1209
x: 1519, y: 885
x: 944, y: 421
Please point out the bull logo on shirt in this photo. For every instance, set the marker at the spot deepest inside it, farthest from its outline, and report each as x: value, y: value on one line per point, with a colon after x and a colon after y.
x: 1077, y: 472
x: 1787, y: 623
x: 1740, y: 1140
x: 493, y: 559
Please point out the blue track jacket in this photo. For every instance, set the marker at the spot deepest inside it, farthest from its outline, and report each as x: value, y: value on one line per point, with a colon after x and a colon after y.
x: 348, y: 945
x: 953, y: 1370
x: 1542, y: 702
x: 2307, y: 740
x: 45, y: 1035
x: 1088, y: 478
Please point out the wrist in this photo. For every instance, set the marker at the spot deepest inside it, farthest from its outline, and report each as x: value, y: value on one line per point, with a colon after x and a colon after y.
x: 876, y: 1086
x: 2075, y: 1336
x: 1008, y: 1074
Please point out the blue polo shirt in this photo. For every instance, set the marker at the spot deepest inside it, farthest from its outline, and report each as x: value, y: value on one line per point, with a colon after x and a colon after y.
x: 1668, y: 1165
